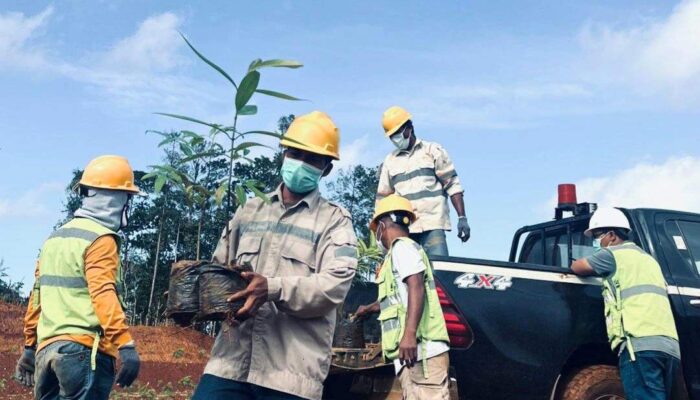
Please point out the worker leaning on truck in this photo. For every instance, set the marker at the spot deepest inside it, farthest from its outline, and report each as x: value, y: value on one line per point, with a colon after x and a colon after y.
x: 423, y: 173
x: 75, y: 321
x: 414, y: 334
x: 303, y: 252
x: 638, y: 315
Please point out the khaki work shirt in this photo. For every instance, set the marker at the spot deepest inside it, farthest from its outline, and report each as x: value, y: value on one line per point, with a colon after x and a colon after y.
x: 308, y: 252
x: 426, y: 176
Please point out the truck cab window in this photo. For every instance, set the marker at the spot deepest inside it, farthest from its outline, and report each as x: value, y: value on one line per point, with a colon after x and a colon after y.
x: 531, y: 252
x: 556, y: 245
x: 557, y: 240
x: 691, y: 241
x: 581, y: 245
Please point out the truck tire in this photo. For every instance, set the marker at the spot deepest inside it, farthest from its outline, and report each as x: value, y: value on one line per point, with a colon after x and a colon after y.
x: 597, y: 382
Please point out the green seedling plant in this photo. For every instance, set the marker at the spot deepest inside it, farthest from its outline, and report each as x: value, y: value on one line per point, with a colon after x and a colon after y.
x: 223, y: 140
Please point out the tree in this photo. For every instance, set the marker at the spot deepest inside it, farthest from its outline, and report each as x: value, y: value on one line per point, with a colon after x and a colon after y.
x: 355, y: 188
x: 10, y: 292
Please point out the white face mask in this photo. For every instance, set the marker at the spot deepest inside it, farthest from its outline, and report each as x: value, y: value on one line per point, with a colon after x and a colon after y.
x: 380, y: 245
x: 399, y: 140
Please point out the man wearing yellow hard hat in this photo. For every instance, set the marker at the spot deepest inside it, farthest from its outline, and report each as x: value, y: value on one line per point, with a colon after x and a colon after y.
x: 303, y: 252
x: 422, y: 172
x: 75, y: 323
x: 414, y: 334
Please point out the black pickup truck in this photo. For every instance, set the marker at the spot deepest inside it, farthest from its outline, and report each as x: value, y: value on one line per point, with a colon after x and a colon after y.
x: 530, y: 329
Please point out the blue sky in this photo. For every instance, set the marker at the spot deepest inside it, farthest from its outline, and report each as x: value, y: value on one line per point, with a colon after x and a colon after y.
x: 524, y: 95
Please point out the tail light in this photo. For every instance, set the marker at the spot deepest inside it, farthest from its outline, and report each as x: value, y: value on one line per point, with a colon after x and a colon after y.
x: 457, y: 327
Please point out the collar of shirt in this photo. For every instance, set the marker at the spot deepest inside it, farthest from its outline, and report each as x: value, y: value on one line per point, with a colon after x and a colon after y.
x: 410, y: 151
x: 310, y: 200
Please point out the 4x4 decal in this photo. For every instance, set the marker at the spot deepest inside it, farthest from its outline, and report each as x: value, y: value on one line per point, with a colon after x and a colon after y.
x: 483, y: 281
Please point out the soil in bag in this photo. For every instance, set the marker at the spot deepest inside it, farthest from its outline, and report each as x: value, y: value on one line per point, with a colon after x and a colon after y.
x: 183, y: 291
x: 216, y: 284
x: 349, y: 334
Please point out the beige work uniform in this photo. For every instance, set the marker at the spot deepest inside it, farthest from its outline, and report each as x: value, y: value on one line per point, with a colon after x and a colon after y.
x: 434, y: 386
x: 426, y: 177
x: 308, y: 252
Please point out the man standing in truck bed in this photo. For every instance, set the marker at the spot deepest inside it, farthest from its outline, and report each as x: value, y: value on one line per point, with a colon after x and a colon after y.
x: 422, y: 172
x: 638, y: 315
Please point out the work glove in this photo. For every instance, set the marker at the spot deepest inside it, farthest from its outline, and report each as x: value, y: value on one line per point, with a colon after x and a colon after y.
x: 24, y: 373
x: 463, y: 229
x: 130, y: 365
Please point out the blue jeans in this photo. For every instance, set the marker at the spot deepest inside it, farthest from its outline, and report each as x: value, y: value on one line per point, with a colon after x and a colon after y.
x: 650, y: 377
x: 214, y: 388
x: 63, y: 372
x: 434, y: 242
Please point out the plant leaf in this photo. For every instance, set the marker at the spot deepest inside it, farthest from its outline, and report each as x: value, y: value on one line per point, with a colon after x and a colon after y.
x: 278, y: 95
x: 166, y: 141
x: 148, y: 176
x: 186, y: 149
x: 211, y: 64
x: 247, y: 88
x: 213, y: 153
x: 158, y: 186
x: 248, y: 110
x: 247, y: 145
x: 190, y: 119
x: 196, y: 140
x: 158, y: 132
x: 253, y: 64
x: 240, y: 195
x: 251, y: 185
x: 265, y: 133
x: 257, y: 64
x: 220, y: 192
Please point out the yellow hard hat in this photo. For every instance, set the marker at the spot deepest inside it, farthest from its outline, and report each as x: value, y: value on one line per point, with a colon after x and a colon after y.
x: 314, y: 132
x: 109, y: 172
x: 393, y: 118
x: 391, y: 203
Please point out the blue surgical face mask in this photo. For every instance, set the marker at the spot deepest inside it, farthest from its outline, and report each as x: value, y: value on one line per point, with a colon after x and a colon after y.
x: 300, y: 177
x: 596, y: 244
x: 400, y: 141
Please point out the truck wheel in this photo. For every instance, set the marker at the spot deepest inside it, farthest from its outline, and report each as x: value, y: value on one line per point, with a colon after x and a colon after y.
x: 597, y: 382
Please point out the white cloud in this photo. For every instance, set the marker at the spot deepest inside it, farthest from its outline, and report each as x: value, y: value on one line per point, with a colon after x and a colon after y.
x: 517, y: 92
x: 358, y: 152
x: 137, y: 71
x: 154, y: 45
x: 16, y: 30
x: 31, y: 203
x: 657, y: 56
x: 674, y: 185
x: 502, y: 106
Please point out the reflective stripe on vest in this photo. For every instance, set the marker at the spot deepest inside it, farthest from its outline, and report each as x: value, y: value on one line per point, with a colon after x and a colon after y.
x: 636, y: 299
x: 62, y: 290
x: 393, y: 313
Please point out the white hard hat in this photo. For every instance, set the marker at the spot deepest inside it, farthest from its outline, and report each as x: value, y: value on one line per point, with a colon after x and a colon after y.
x: 607, y: 217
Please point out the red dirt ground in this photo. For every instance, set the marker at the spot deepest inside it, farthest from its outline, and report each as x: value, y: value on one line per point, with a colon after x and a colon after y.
x: 172, y: 359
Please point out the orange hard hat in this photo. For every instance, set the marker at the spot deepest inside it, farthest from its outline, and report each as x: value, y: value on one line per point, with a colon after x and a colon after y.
x: 109, y: 172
